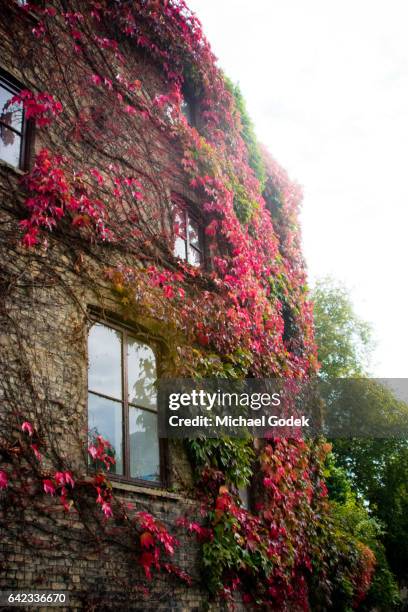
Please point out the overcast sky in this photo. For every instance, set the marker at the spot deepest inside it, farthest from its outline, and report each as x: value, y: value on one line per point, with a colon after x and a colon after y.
x: 326, y: 84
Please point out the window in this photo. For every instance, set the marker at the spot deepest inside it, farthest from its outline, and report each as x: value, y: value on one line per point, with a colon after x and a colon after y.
x: 12, y: 124
x: 245, y: 497
x: 189, y: 103
x: 122, y: 403
x: 188, y: 110
x: 188, y: 244
x: 35, y: 2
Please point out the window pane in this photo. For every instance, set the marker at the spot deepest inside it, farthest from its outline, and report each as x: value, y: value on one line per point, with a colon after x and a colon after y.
x: 10, y: 145
x: 141, y: 374
x: 179, y: 222
x: 144, y: 445
x: 187, y: 110
x: 243, y: 493
x: 13, y: 114
x: 105, y: 419
x: 194, y: 257
x: 180, y: 248
x: 194, y: 233
x: 105, y: 361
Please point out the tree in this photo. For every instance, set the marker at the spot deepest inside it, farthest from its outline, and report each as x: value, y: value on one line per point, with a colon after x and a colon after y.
x: 369, y: 470
x: 352, y: 517
x: 344, y: 340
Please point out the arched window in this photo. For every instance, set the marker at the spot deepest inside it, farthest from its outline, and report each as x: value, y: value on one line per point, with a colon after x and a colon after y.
x: 122, y: 401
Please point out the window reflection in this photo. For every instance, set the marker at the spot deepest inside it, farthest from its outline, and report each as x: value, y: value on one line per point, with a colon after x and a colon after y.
x: 10, y: 146
x: 180, y: 248
x: 141, y: 374
x: 105, y: 419
x: 11, y: 124
x: 188, y: 237
x: 179, y: 223
x: 193, y: 234
x: 13, y: 114
x: 244, y: 495
x: 187, y: 108
x: 144, y: 445
x: 104, y: 353
x: 194, y: 257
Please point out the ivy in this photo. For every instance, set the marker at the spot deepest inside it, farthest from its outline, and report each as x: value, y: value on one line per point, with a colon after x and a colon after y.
x: 233, y: 457
x: 255, y: 159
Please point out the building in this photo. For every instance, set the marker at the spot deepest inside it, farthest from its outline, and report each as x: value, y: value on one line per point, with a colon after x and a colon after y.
x: 144, y: 234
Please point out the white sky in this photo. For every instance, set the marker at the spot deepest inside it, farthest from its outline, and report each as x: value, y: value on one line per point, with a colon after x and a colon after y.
x: 326, y: 84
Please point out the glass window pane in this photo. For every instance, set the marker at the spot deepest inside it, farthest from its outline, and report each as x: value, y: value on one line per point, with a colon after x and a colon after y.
x: 187, y: 110
x: 243, y: 493
x: 194, y: 233
x: 10, y: 146
x: 180, y: 248
x: 105, y: 419
x: 194, y: 257
x: 105, y: 361
x: 13, y: 114
x: 141, y: 374
x: 144, y: 445
x: 179, y: 222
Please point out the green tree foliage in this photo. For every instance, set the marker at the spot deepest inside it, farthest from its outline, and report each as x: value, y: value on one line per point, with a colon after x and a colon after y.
x: 352, y: 517
x: 344, y: 341
x: 366, y: 477
x: 378, y: 469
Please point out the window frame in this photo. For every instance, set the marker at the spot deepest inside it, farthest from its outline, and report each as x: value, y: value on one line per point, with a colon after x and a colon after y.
x: 9, y: 82
x: 126, y: 331
x: 188, y: 215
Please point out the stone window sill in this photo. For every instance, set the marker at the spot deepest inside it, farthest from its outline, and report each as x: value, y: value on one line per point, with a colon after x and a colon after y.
x: 8, y: 167
x: 149, y: 491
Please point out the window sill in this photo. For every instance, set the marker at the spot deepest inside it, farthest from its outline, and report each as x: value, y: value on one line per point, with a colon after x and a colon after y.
x: 6, y: 166
x: 151, y: 491
x: 146, y: 490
